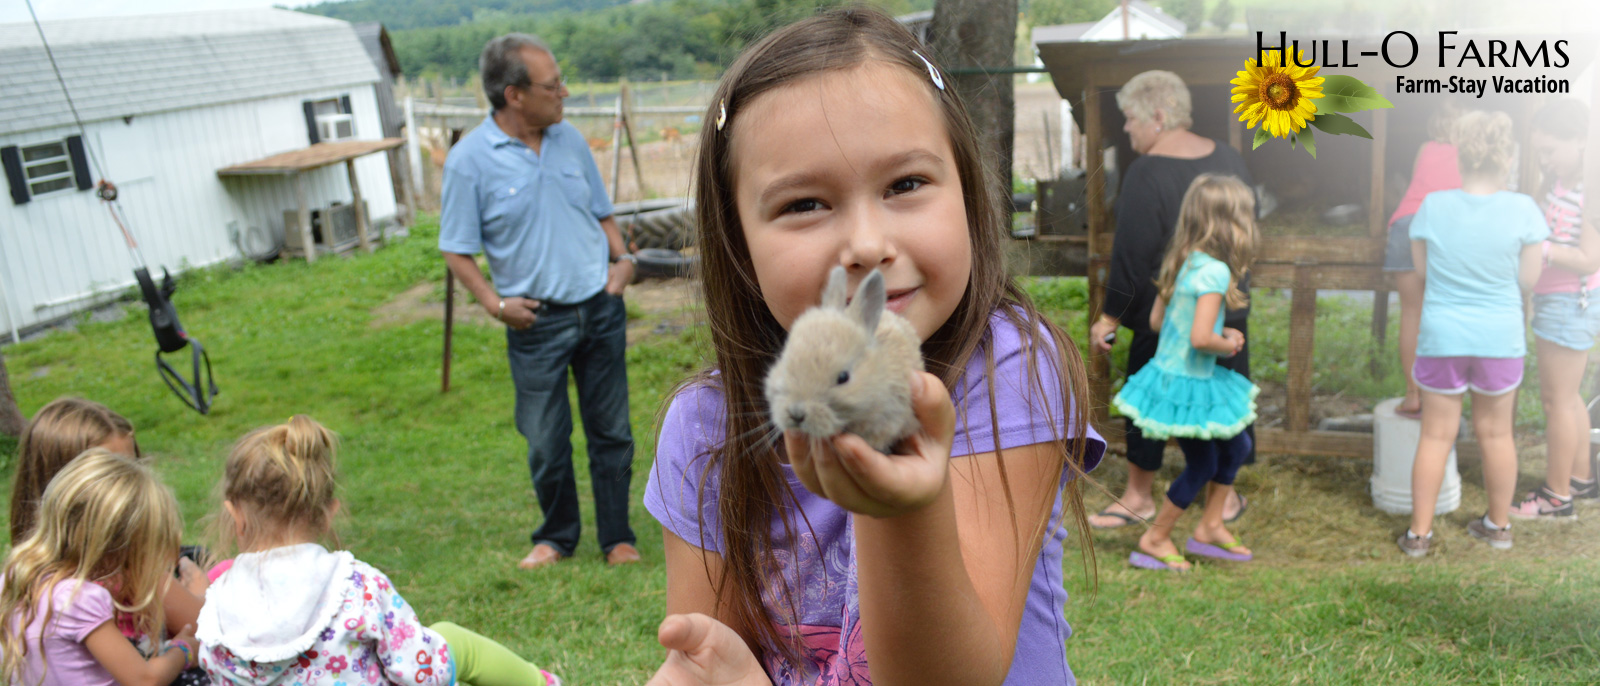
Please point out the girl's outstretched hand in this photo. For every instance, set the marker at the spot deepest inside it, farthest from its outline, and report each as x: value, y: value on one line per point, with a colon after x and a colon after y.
x: 702, y: 651
x: 858, y: 478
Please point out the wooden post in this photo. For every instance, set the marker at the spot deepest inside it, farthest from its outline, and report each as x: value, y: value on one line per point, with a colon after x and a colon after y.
x: 627, y: 128
x: 449, y: 325
x: 1099, y: 252
x: 306, y: 240
x: 616, y: 143
x: 1302, y: 335
x: 1378, y: 229
x: 355, y: 199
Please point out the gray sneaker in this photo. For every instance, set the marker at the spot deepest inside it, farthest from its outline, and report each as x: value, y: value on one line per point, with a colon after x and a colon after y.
x: 1415, y: 546
x: 1499, y: 539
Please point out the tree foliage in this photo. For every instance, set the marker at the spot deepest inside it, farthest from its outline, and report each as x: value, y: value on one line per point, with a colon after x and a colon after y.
x: 1191, y: 12
x: 1054, y: 12
x: 1222, y: 15
x: 677, y: 38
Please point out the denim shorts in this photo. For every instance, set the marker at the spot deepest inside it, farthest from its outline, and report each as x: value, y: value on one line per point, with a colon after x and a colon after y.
x: 1559, y: 318
x: 1397, y: 253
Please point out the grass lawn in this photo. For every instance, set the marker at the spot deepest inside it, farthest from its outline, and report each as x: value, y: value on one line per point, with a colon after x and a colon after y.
x: 436, y: 494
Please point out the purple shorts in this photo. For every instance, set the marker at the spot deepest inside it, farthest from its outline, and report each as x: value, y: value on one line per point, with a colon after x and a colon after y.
x: 1454, y: 375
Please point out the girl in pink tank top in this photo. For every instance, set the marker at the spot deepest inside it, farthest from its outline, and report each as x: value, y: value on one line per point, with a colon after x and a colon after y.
x: 1566, y: 317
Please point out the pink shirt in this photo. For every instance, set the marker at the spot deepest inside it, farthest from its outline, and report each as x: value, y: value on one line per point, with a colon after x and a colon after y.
x: 74, y: 618
x: 1436, y: 170
x: 1563, y: 208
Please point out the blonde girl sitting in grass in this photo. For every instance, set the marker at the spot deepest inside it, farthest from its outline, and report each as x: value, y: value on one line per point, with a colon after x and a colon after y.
x: 105, y: 542
x: 290, y: 611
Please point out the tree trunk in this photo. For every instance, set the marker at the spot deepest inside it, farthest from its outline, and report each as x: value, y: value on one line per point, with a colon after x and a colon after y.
x: 971, y: 34
x: 11, y: 421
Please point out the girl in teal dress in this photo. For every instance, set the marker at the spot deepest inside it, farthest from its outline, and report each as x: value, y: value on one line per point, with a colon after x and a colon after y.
x: 1182, y: 393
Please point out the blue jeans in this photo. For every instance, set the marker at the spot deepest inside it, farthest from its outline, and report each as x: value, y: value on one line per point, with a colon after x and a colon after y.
x: 591, y: 338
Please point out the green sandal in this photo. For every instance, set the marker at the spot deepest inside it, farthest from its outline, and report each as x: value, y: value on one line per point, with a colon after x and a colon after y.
x: 1164, y: 563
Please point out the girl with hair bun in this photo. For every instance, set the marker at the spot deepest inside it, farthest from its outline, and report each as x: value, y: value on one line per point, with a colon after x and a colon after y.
x: 289, y: 611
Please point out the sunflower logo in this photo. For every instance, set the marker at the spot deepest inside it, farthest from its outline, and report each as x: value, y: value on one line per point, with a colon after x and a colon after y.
x: 1288, y: 100
x: 1278, y: 93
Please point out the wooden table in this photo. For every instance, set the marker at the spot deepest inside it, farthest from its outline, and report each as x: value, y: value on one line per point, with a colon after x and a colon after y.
x: 295, y: 162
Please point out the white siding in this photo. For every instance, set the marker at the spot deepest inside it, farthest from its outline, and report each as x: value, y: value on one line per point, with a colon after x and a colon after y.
x: 64, y: 246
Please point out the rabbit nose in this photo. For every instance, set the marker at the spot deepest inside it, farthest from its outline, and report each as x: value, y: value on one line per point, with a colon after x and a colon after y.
x: 797, y: 415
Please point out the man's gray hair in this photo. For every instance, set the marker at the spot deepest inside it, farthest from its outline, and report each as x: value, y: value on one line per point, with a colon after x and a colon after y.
x: 501, y: 64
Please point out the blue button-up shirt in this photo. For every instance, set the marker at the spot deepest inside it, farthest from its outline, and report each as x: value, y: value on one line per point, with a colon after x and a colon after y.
x: 536, y: 214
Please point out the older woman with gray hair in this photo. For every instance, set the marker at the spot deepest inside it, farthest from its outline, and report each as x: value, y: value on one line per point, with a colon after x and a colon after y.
x: 1156, y: 107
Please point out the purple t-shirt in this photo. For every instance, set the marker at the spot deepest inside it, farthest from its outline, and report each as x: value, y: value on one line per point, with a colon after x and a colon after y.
x: 823, y: 559
x: 79, y: 608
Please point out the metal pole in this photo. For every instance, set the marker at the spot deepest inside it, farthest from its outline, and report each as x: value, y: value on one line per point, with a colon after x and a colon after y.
x: 449, y: 322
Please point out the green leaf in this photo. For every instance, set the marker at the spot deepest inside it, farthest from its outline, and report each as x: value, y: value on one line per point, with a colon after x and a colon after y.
x: 1261, y: 136
x: 1338, y: 124
x: 1308, y: 139
x: 1348, y: 94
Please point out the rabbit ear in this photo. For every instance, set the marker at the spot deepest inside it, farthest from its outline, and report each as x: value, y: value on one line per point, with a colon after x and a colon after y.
x: 867, y: 307
x: 833, y: 295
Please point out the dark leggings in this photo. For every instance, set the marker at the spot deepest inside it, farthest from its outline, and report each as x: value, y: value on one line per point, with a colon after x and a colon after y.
x: 1207, y: 460
x: 1145, y: 453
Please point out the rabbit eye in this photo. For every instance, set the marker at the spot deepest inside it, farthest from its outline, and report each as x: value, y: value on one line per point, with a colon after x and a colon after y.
x: 844, y: 378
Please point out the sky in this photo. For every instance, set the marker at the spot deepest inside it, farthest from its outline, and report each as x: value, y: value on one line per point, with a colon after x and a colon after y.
x: 17, y: 10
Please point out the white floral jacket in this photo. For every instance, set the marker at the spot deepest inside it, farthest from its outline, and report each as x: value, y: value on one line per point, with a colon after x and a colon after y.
x: 303, y: 616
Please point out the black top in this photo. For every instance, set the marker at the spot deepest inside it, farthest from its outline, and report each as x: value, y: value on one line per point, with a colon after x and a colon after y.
x: 1147, y: 213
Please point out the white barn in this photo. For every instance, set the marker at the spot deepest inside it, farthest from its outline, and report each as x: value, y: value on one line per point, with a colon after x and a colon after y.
x: 166, y: 101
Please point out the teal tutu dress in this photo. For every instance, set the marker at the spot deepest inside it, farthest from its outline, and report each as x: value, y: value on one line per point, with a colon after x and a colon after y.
x: 1182, y: 392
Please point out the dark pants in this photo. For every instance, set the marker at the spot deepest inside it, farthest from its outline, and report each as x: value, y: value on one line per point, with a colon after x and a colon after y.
x: 1145, y: 453
x: 591, y: 338
x: 1208, y: 461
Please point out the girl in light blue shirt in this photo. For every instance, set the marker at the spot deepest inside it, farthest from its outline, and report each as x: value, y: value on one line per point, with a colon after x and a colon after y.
x: 1478, y: 248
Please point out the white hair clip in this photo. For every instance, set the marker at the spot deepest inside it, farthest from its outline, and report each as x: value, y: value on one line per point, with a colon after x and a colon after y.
x: 722, y: 114
x: 932, y: 70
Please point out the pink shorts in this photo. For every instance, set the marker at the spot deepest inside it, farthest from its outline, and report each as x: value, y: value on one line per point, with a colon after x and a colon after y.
x: 1454, y: 375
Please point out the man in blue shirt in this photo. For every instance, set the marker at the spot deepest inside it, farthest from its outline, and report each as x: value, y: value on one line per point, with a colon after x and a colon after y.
x: 523, y: 188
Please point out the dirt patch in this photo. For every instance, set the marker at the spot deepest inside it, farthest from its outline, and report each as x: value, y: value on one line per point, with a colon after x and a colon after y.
x: 661, y: 307
x: 425, y: 301
x: 655, y: 307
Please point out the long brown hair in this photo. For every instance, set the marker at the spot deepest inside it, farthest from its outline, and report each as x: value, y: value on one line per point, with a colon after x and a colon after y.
x: 1218, y: 218
x: 746, y: 338
x: 104, y: 519
x: 59, y: 432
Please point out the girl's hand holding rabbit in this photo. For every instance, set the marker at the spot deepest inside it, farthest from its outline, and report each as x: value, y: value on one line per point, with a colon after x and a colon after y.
x: 847, y: 471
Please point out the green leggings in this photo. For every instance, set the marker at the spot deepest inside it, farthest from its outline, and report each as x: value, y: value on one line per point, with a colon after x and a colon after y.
x: 482, y: 662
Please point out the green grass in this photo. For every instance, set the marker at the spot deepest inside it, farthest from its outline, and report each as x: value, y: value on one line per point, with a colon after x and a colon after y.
x: 436, y: 493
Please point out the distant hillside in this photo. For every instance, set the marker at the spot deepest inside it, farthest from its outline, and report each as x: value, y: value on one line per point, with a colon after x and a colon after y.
x: 682, y: 39
x: 411, y: 14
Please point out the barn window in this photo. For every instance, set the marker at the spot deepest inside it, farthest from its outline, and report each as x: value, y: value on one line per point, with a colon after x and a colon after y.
x: 48, y: 168
x: 333, y: 119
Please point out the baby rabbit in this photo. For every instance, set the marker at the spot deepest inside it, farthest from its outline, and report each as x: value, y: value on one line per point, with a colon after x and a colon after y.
x: 847, y: 369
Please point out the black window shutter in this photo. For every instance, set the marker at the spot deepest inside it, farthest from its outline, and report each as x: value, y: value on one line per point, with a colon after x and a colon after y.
x: 344, y: 105
x: 80, y: 162
x: 12, y: 159
x: 311, y: 122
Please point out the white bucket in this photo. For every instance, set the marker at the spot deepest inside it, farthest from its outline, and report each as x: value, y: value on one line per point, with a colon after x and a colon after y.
x: 1394, y: 448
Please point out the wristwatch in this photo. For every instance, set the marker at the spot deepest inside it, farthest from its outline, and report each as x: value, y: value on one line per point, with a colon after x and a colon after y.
x: 627, y: 256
